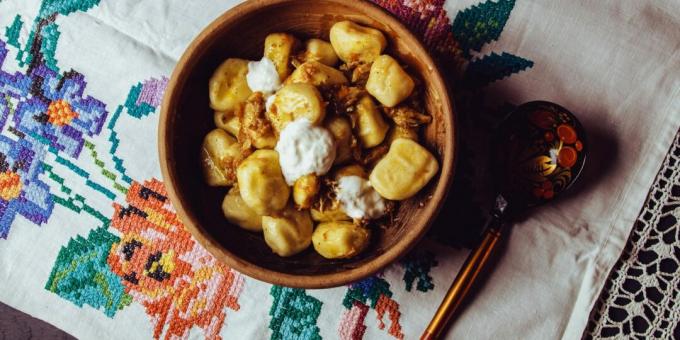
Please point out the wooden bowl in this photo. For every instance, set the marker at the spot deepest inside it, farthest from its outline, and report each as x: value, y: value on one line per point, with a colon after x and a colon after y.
x: 186, y: 117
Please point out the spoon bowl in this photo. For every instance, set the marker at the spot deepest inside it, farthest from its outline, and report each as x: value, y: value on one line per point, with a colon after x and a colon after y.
x: 541, y: 150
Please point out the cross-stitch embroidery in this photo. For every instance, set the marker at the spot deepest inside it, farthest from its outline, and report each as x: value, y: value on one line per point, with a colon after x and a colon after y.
x: 164, y: 269
x: 373, y: 292
x: 142, y: 254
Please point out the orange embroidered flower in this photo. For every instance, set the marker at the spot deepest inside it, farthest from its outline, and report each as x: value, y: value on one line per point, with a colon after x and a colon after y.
x: 180, y: 285
x: 10, y: 185
x: 60, y: 113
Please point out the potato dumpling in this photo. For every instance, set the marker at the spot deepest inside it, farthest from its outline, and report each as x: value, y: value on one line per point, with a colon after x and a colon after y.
x: 238, y: 212
x: 404, y: 170
x: 388, y: 82
x: 228, y: 87
x: 402, y: 132
x: 341, y: 129
x: 321, y: 51
x: 305, y: 190
x: 261, y: 182
x: 295, y: 101
x: 351, y: 170
x: 219, y: 155
x: 289, y: 233
x: 371, y: 127
x: 334, y: 240
x: 329, y: 214
x: 227, y: 122
x: 353, y: 42
x: 317, y: 74
x: 278, y: 47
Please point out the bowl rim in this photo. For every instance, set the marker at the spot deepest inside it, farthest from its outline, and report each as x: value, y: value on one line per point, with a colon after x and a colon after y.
x: 402, y: 246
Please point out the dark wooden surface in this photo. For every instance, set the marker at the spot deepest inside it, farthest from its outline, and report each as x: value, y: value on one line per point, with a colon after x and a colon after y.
x: 15, y: 325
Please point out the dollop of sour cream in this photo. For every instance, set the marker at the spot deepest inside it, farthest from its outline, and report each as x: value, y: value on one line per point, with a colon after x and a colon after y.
x: 358, y: 199
x: 304, y: 149
x: 262, y: 77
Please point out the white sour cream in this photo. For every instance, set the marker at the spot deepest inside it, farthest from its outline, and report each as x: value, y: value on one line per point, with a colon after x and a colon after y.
x: 304, y: 149
x: 262, y: 77
x: 358, y: 199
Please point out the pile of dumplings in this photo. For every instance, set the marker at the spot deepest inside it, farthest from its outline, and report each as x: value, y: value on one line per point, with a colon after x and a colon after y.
x: 364, y: 98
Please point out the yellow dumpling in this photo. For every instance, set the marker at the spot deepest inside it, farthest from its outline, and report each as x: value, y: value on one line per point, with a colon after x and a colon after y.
x: 353, y: 42
x: 317, y: 74
x: 388, y: 82
x: 227, y: 122
x: 305, y: 190
x: 329, y: 214
x: 341, y: 130
x: 334, y: 240
x: 238, y: 212
x: 261, y: 182
x: 228, y: 87
x: 278, y: 47
x: 398, y: 131
x: 321, y: 51
x: 371, y: 127
x: 404, y: 170
x: 289, y: 233
x: 219, y: 153
x: 295, y: 101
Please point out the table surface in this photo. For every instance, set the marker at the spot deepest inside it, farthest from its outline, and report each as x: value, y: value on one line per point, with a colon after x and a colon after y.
x: 63, y: 225
x: 15, y: 325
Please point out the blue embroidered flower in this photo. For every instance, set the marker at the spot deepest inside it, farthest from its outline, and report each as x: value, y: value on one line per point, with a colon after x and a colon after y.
x: 42, y: 108
x: 57, y: 113
x: 21, y: 192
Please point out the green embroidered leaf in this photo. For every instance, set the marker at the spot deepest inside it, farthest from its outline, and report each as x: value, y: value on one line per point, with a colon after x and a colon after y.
x: 50, y: 37
x: 294, y: 314
x: 490, y: 68
x: 42, y: 44
x: 417, y: 265
x: 12, y: 32
x: 42, y: 41
x: 65, y: 7
x: 481, y: 24
x: 82, y: 276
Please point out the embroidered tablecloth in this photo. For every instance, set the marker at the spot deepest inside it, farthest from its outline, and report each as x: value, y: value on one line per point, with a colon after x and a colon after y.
x: 80, y: 86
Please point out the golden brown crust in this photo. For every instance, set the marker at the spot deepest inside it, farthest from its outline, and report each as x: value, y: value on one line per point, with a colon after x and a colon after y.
x: 254, y: 124
x: 406, y: 116
x: 358, y: 72
x: 373, y: 155
x: 341, y: 99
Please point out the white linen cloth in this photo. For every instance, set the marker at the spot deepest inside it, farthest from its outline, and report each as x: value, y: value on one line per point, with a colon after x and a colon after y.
x: 615, y: 64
